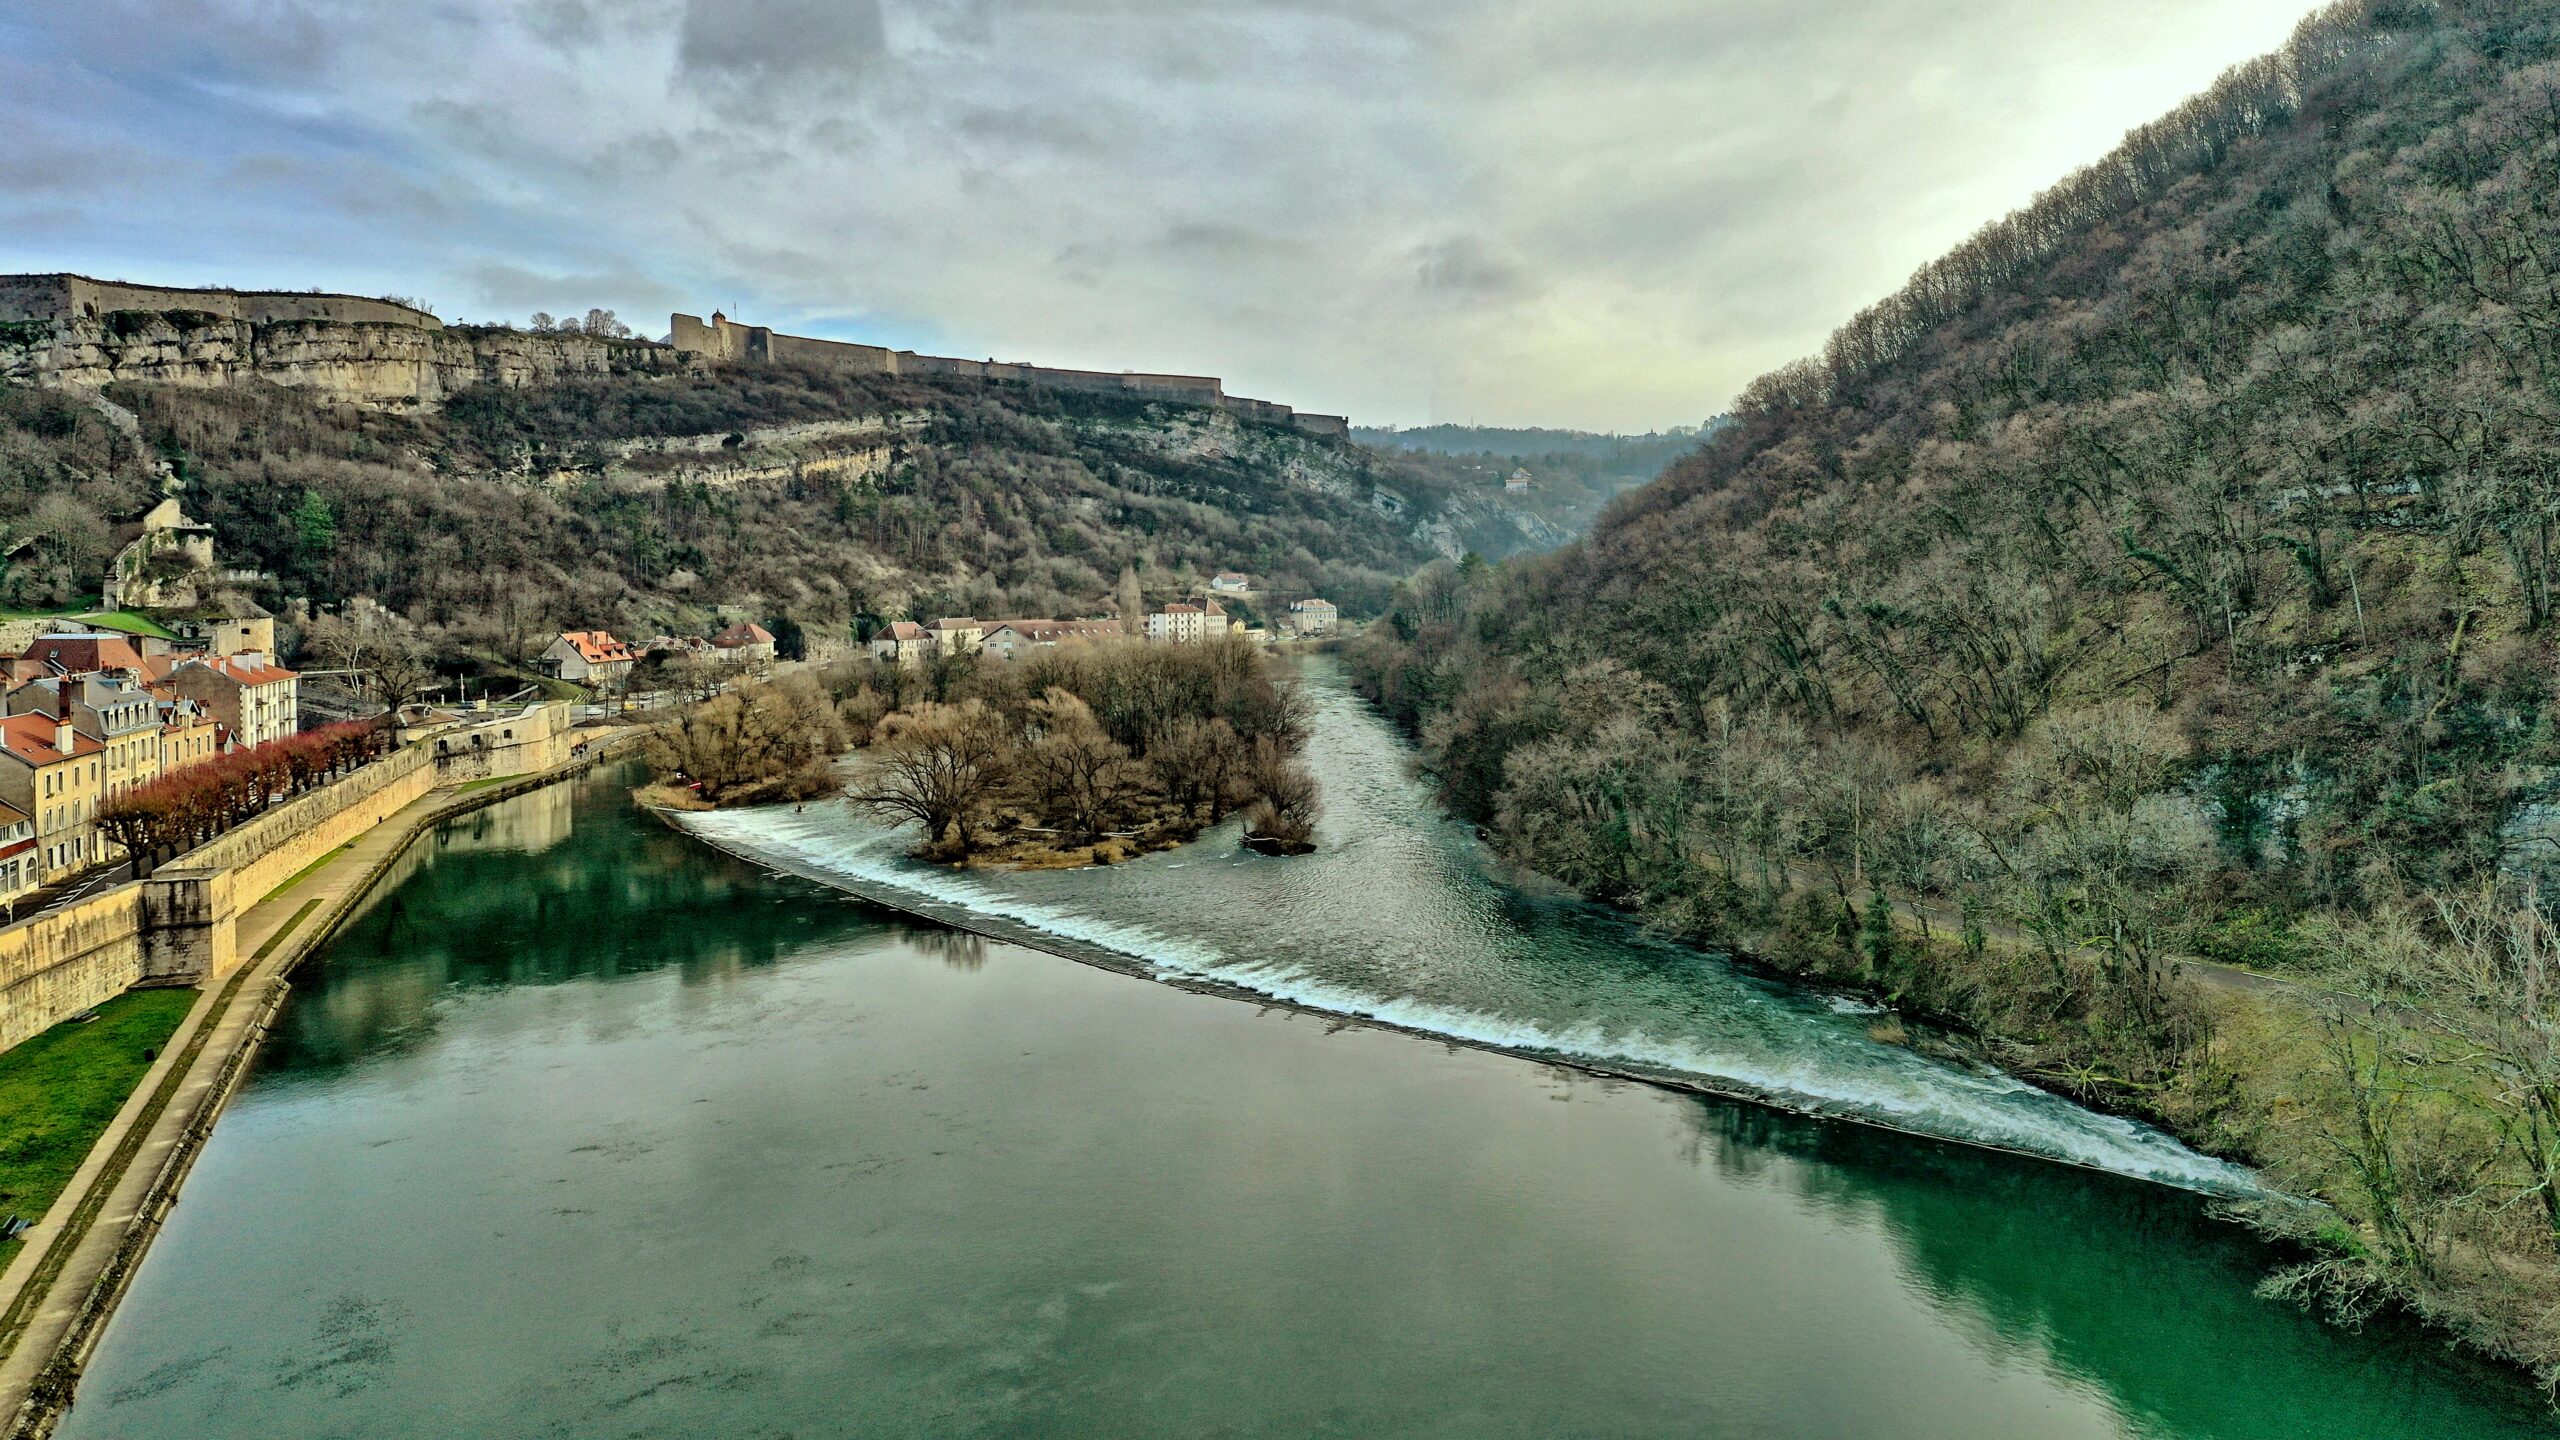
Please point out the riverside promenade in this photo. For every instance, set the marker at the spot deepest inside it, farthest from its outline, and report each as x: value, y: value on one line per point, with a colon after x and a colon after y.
x: 58, y: 1291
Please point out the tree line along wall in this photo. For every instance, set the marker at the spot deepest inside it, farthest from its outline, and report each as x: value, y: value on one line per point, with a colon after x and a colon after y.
x: 180, y: 926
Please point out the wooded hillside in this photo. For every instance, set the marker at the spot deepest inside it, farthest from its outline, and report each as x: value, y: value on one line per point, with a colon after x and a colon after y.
x: 505, y: 518
x: 2165, y: 574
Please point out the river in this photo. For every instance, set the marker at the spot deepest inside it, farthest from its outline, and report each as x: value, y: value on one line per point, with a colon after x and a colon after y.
x: 584, y: 1128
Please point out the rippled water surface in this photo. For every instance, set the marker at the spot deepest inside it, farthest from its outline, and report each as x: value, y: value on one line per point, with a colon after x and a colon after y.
x: 586, y: 1130
x: 1397, y: 916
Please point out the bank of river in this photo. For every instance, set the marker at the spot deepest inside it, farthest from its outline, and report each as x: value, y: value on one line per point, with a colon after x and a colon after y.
x: 582, y: 1129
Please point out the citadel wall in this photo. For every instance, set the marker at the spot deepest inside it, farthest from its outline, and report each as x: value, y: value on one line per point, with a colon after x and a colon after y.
x: 722, y: 340
x: 77, y: 297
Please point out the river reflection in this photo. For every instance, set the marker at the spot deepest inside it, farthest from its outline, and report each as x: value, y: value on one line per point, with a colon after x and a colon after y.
x: 617, y: 1137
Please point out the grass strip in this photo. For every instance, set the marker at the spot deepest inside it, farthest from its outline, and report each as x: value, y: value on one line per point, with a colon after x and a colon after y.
x: 60, y: 1090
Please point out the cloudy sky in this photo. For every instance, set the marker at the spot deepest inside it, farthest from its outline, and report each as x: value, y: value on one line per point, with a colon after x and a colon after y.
x: 1608, y: 214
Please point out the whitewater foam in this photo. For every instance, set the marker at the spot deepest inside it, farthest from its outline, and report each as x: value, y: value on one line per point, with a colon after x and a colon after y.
x: 1825, y: 1068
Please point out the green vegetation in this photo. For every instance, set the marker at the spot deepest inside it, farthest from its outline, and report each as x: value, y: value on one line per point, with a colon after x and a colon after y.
x: 59, y: 1090
x: 2166, y: 573
x: 128, y: 622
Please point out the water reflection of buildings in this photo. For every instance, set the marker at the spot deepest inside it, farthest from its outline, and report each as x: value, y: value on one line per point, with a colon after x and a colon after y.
x: 528, y: 824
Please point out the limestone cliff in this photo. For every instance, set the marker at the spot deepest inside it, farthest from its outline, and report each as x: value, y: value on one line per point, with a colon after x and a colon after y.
x: 383, y: 363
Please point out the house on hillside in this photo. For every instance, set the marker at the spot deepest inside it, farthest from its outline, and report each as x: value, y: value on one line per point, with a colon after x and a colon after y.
x: 745, y: 643
x: 957, y: 635
x: 901, y: 642
x: 1518, y: 484
x: 1012, y: 639
x: 589, y: 657
x: 1230, y: 582
x: 1186, y: 624
x: 1312, y: 617
x: 166, y: 560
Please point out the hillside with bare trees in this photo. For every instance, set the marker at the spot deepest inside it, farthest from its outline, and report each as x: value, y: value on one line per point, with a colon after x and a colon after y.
x: 2161, y: 581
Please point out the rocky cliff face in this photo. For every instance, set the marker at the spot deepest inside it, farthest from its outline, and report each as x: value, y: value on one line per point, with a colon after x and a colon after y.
x: 390, y: 365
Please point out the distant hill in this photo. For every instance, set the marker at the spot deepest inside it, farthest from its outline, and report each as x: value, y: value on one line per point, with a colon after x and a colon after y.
x: 1574, y: 474
x: 1619, y: 454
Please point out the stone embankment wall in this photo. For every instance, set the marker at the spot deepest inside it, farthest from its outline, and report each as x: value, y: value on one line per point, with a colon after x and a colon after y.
x: 725, y: 341
x: 179, y: 926
x: 61, y: 963
x: 68, y: 330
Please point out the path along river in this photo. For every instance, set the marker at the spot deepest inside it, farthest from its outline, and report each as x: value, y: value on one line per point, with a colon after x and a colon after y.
x: 585, y: 1128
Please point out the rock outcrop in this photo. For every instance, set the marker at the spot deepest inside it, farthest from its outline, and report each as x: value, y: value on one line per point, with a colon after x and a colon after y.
x: 367, y: 362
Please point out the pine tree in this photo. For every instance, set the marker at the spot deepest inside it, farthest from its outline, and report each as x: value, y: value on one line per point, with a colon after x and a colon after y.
x: 1133, y: 607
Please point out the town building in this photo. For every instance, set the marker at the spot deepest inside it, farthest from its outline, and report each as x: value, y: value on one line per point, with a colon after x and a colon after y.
x: 17, y: 853
x: 1012, y: 639
x: 592, y: 658
x: 230, y: 636
x: 189, y: 735
x: 1229, y: 582
x: 957, y: 635
x: 53, y: 773
x: 902, y: 642
x: 1312, y: 617
x: 1181, y: 624
x: 1518, y: 484
x: 254, y: 698
x: 111, y: 708
x: 75, y: 653
x: 746, y: 643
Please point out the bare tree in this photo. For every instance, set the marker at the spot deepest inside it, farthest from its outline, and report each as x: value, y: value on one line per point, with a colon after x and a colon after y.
x: 941, y: 766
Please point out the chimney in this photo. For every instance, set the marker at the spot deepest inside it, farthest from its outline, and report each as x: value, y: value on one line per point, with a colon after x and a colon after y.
x: 63, y: 736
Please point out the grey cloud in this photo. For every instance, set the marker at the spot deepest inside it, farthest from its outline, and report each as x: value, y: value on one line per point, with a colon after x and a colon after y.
x: 515, y: 288
x: 797, y: 47
x: 1464, y: 268
x: 1531, y: 210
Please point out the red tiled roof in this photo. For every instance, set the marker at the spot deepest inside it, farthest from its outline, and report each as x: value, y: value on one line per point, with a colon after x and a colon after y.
x: 30, y: 738
x: 745, y: 634
x: 596, y: 647
x: 249, y: 670
x: 1184, y: 610
x: 950, y: 622
x: 80, y: 654
x: 902, y: 630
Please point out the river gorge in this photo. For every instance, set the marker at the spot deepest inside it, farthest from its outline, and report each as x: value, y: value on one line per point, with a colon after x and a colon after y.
x: 586, y: 1127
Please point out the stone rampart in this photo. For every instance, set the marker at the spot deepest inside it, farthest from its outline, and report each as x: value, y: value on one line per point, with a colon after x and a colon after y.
x: 721, y: 340
x: 60, y: 963
x: 178, y: 926
x: 77, y: 297
x: 273, y: 848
